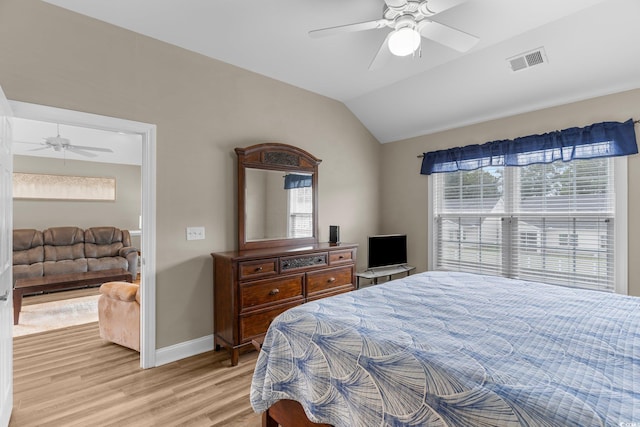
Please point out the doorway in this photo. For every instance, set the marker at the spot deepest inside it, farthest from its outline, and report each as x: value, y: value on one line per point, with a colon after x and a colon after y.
x: 147, y: 218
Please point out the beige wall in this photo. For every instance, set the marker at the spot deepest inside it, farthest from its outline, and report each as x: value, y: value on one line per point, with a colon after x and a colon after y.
x: 203, y: 109
x: 406, y: 211
x: 40, y: 214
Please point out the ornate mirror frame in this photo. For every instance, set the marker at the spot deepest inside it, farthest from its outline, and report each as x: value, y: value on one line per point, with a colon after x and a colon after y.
x: 276, y: 157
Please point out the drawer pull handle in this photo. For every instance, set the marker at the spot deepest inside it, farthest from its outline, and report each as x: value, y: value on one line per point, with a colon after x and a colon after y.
x: 319, y: 260
x: 275, y: 291
x: 341, y: 257
x: 331, y: 280
x: 258, y: 269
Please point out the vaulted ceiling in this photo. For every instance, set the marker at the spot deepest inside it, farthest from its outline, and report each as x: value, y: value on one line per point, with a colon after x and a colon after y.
x: 589, y: 48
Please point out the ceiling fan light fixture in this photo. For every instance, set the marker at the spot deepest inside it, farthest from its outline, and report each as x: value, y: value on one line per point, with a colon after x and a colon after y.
x: 404, y: 41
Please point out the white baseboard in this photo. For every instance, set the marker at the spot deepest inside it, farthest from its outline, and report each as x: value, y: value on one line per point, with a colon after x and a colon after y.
x: 183, y: 350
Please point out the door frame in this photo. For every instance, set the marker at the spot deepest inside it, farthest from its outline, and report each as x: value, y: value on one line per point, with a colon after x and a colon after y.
x: 148, y: 173
x: 6, y: 269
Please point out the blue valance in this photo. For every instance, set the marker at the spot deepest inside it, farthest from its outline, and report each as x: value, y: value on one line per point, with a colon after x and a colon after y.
x: 606, y: 139
x: 293, y: 180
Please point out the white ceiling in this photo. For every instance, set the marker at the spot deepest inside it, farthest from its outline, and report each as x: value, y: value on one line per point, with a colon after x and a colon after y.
x: 591, y: 48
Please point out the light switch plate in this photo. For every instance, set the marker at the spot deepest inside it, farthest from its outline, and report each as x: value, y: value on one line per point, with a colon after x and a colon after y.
x: 195, y: 233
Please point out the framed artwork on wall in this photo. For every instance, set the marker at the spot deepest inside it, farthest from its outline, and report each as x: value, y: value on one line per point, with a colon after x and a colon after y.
x: 63, y: 187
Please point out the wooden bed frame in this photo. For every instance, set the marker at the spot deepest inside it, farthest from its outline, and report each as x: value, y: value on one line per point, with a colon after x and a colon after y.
x: 287, y: 413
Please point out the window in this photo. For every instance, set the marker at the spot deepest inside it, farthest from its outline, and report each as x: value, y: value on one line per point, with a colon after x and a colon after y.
x: 569, y: 239
x: 300, y: 212
x: 604, y: 243
x: 529, y: 240
x: 551, y: 222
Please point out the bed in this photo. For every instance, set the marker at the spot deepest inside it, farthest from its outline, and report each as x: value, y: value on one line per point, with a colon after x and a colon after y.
x: 453, y: 349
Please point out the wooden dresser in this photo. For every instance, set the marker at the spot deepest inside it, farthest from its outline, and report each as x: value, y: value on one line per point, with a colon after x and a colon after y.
x: 251, y: 287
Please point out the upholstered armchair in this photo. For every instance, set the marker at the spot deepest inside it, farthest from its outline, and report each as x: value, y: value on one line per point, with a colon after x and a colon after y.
x: 119, y: 313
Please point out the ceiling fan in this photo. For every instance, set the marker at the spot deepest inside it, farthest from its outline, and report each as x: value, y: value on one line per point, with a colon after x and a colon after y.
x: 410, y: 20
x: 58, y: 143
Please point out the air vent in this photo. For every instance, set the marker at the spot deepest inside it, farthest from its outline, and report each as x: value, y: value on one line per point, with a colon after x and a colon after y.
x: 527, y: 59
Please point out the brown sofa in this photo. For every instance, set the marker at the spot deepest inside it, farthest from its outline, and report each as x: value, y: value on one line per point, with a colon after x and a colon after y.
x: 119, y: 313
x: 61, y: 250
x: 69, y: 257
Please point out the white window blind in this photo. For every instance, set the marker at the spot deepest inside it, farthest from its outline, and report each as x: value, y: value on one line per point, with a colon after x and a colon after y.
x: 300, y: 212
x: 545, y: 222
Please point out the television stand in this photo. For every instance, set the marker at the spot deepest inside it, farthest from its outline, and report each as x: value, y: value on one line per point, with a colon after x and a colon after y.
x: 375, y: 273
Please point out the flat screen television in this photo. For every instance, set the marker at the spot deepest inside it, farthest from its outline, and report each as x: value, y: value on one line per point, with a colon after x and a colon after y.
x: 387, y: 250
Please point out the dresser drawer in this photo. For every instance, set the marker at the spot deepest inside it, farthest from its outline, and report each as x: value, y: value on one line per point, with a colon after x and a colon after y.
x: 270, y: 291
x: 339, y: 257
x: 330, y: 293
x: 257, y: 269
x: 256, y: 324
x: 320, y: 281
x: 292, y: 263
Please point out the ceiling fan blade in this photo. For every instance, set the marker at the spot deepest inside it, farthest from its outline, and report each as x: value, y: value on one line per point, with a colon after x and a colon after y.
x: 76, y: 150
x: 445, y: 35
x: 39, y: 148
x: 383, y: 55
x: 349, y: 28
x: 437, y: 6
x: 28, y: 142
x: 396, y: 4
x: 82, y: 147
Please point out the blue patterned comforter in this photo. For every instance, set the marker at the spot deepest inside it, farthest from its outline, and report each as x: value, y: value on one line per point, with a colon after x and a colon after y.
x: 456, y: 349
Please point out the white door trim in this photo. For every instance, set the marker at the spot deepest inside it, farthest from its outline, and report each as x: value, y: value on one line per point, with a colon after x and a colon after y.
x: 6, y: 268
x: 148, y: 263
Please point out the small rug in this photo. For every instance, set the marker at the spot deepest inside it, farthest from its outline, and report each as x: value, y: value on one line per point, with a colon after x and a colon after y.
x: 56, y: 315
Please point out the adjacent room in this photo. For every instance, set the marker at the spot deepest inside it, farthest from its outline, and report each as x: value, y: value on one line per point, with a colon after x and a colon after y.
x: 71, y: 185
x: 387, y: 212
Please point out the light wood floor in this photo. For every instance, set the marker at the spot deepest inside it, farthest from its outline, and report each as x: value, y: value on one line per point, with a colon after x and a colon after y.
x: 71, y: 377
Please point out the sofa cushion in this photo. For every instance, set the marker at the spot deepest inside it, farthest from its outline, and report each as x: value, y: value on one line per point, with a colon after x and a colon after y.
x: 28, y: 271
x: 63, y: 243
x: 26, y: 238
x: 27, y: 247
x: 66, y: 266
x: 107, y: 263
x: 28, y: 253
x: 105, y: 241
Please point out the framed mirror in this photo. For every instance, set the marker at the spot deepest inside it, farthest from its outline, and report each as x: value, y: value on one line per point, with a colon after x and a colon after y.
x: 277, y: 196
